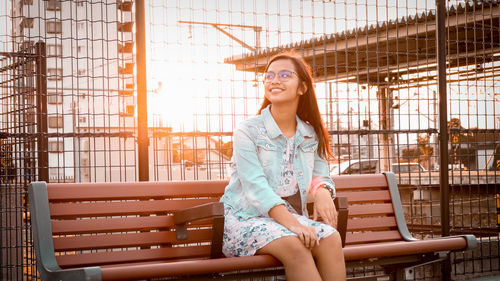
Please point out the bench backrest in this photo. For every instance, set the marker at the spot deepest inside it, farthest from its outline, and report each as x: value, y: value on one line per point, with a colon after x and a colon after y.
x: 108, y: 223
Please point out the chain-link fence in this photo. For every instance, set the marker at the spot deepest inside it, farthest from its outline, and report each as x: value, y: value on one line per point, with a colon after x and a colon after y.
x: 71, y: 101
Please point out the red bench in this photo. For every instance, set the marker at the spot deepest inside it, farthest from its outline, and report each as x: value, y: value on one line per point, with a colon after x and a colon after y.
x: 128, y: 231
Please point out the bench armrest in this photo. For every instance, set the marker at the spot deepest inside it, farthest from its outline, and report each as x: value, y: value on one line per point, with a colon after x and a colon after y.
x: 204, y: 211
x: 470, y: 239
x: 342, y: 206
x: 213, y: 210
x: 400, y: 218
x: 44, y: 246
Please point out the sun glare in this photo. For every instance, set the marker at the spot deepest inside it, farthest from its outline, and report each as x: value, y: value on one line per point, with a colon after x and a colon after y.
x: 182, y: 90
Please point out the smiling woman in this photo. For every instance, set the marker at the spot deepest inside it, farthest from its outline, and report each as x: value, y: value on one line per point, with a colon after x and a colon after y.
x: 279, y: 157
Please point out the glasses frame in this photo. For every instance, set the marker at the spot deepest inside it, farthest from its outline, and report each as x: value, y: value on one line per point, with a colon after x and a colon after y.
x: 281, y: 79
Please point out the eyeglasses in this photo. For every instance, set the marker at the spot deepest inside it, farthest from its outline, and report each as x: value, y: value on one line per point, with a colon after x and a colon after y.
x: 283, y: 75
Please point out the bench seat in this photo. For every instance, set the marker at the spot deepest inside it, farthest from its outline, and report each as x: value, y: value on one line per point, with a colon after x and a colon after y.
x: 209, y: 266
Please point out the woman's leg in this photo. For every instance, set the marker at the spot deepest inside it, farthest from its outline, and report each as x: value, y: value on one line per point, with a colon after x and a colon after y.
x: 330, y: 258
x: 295, y: 257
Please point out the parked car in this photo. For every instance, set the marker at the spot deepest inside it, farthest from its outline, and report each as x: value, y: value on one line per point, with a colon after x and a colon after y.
x: 356, y: 166
x: 187, y: 163
x: 451, y: 167
x: 407, y: 168
x: 456, y: 167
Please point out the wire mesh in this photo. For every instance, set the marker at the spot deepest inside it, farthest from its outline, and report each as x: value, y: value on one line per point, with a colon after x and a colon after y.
x: 375, y: 66
x: 67, y: 107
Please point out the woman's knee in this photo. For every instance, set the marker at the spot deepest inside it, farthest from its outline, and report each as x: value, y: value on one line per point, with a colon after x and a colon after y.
x: 293, y: 244
x: 294, y: 251
x: 288, y: 250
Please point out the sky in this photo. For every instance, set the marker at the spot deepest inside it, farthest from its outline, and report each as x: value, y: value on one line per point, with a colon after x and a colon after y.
x: 191, y: 88
x: 188, y: 61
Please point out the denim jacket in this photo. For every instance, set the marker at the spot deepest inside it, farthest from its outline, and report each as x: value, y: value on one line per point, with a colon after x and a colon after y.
x: 257, y: 154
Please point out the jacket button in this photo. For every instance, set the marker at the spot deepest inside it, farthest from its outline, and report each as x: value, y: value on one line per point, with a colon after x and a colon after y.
x: 300, y: 173
x: 296, y: 156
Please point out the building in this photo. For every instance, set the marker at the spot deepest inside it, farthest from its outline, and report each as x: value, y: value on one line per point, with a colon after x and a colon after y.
x: 89, y: 74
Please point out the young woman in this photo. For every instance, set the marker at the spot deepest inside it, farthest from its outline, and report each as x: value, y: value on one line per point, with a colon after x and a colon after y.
x: 279, y: 158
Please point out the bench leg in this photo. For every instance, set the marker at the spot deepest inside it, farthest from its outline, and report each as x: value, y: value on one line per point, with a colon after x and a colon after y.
x: 399, y: 274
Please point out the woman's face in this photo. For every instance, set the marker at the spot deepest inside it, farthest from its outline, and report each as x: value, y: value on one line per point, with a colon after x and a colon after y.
x: 283, y: 88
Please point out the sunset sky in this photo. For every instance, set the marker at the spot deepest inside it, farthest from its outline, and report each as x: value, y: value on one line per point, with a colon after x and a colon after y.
x: 192, y: 89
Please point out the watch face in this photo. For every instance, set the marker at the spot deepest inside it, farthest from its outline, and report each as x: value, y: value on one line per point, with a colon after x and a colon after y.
x: 329, y: 189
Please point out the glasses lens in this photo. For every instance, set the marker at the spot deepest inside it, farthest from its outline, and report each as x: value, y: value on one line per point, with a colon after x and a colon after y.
x: 268, y: 76
x: 285, y: 75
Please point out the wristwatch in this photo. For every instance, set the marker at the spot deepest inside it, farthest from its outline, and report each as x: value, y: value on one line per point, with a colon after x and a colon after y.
x: 327, y: 187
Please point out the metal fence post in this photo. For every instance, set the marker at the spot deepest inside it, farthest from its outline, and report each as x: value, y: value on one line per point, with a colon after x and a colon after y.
x: 443, y: 129
x: 142, y: 98
x: 41, y: 114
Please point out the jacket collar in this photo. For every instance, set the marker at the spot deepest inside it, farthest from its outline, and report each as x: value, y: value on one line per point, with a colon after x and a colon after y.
x: 273, y: 130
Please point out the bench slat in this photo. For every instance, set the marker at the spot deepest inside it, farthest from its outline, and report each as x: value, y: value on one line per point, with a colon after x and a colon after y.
x: 124, y: 191
x: 371, y: 223
x: 72, y: 210
x: 372, y: 237
x: 85, y: 226
x: 109, y: 241
x: 371, y: 210
x: 366, y: 196
x: 102, y: 258
x: 101, y: 225
x: 353, y: 182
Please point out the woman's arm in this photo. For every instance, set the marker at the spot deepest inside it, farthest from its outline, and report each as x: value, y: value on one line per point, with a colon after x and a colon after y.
x: 251, y: 174
x: 321, y: 173
x: 323, y: 192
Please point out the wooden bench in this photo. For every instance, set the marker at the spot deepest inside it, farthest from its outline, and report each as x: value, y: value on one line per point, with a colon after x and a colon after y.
x: 127, y: 231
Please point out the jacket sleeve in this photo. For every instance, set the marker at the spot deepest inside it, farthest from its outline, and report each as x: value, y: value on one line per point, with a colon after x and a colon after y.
x: 254, y: 183
x: 321, y: 174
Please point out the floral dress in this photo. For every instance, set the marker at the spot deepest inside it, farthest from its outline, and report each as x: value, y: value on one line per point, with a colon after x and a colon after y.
x: 243, y: 237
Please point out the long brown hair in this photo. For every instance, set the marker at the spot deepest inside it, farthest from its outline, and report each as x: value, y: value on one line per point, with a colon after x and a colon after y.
x: 307, y: 110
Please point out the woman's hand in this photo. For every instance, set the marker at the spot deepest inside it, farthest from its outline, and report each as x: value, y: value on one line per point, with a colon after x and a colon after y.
x: 324, y: 207
x: 306, y: 234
